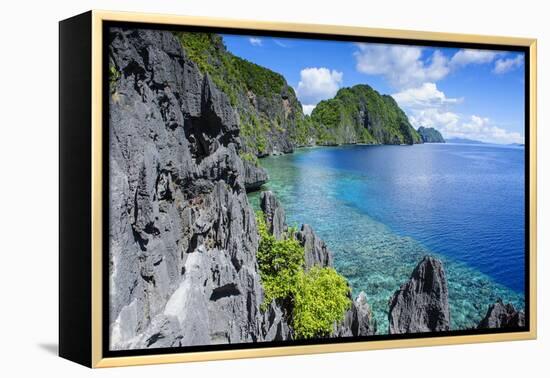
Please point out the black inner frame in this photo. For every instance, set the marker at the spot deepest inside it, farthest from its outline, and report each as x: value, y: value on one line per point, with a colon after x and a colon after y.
x: 106, y: 25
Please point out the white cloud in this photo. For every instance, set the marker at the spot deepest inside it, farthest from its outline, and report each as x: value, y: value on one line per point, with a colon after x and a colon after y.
x: 453, y: 125
x: 318, y: 84
x: 255, y: 41
x: 402, y: 66
x: 280, y: 43
x: 414, y: 73
x: 308, y: 108
x: 426, y: 95
x: 469, y: 56
x: 405, y: 66
x: 509, y: 64
x: 433, y: 117
x: 481, y: 128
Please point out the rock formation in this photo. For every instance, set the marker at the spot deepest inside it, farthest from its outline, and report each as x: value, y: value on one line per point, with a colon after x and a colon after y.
x: 358, y: 321
x: 254, y: 176
x: 182, y: 234
x: 430, y: 135
x: 316, y: 251
x: 269, y: 112
x: 422, y: 303
x: 274, y: 214
x: 500, y: 315
x: 362, y: 115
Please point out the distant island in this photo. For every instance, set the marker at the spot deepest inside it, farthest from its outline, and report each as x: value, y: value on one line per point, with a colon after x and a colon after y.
x: 430, y: 135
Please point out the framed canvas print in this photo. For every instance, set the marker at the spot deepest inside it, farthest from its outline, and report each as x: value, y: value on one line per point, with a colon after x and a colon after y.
x: 236, y: 189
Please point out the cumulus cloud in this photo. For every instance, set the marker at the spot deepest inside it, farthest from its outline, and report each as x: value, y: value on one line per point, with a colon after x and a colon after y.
x: 409, y: 66
x: 308, y: 108
x: 426, y: 95
x: 318, y: 84
x: 465, y: 57
x: 402, y: 66
x: 508, y: 64
x: 433, y: 117
x: 255, y: 41
x: 453, y: 125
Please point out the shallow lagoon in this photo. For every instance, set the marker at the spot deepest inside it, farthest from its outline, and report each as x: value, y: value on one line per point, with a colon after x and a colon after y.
x: 380, y: 209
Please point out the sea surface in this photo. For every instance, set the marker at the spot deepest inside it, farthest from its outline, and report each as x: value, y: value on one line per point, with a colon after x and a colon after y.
x: 380, y: 209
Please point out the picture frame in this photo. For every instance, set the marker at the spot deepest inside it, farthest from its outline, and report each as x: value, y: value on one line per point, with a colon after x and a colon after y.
x: 85, y: 326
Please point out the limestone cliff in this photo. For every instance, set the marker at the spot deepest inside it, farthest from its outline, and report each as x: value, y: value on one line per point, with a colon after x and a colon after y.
x: 182, y: 234
x: 362, y: 115
x: 430, y: 135
x: 269, y: 112
x: 422, y: 303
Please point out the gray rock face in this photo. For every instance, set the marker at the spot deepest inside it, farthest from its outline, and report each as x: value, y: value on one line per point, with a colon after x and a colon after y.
x: 183, y: 237
x: 358, y: 320
x: 316, y: 251
x: 254, y: 176
x: 274, y: 214
x: 421, y: 304
x: 275, y: 323
x: 500, y: 315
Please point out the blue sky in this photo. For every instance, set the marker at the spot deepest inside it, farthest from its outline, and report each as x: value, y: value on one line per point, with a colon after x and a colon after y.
x: 476, y: 94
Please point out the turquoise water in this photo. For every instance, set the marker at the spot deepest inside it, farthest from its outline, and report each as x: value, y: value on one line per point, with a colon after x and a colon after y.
x: 380, y: 209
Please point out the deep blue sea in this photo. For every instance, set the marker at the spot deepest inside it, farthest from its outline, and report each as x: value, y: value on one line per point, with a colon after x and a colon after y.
x: 381, y: 208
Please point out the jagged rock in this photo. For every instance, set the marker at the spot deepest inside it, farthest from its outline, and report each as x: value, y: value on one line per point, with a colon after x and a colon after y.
x: 163, y: 332
x: 182, y: 234
x: 422, y: 303
x: 316, y: 251
x: 500, y: 315
x: 254, y: 176
x: 358, y: 320
x: 274, y: 214
x: 275, y: 323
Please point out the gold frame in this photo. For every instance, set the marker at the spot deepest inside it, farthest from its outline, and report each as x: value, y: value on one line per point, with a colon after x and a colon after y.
x: 97, y: 155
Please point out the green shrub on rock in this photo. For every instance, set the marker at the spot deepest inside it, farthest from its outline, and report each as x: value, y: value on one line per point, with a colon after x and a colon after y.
x: 280, y: 262
x: 321, y: 299
x: 318, y: 297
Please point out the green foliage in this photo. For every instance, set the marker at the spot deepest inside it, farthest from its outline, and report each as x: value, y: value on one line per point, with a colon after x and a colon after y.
x: 373, y: 118
x: 320, y: 300
x: 261, y: 81
x: 319, y: 295
x: 255, y: 132
x: 430, y: 135
x: 251, y: 158
x: 114, y: 75
x: 280, y: 262
x: 244, y: 82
